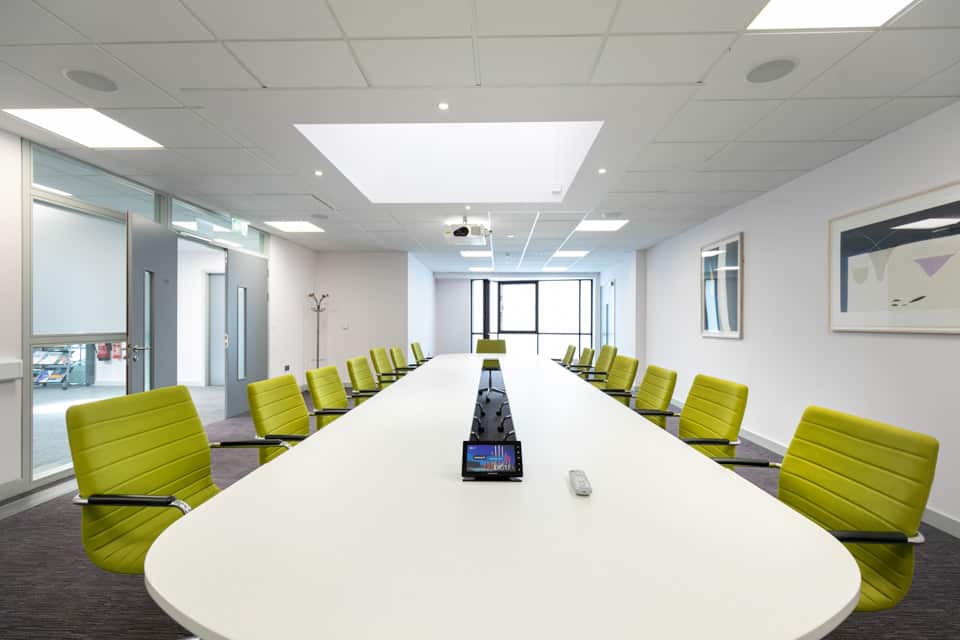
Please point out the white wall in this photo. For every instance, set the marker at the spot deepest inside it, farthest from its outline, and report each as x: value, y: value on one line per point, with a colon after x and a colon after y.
x: 453, y: 315
x: 10, y: 341
x: 367, y: 305
x: 293, y: 329
x: 194, y: 263
x: 421, y: 302
x: 788, y: 356
x: 629, y: 276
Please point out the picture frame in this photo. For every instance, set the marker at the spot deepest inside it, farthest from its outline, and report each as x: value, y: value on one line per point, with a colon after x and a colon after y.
x: 895, y: 267
x: 721, y: 288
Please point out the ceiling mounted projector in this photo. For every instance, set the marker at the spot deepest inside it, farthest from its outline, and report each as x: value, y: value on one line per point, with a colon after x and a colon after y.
x: 466, y: 235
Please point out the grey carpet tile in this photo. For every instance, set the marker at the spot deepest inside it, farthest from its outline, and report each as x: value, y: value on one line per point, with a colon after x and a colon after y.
x: 50, y: 590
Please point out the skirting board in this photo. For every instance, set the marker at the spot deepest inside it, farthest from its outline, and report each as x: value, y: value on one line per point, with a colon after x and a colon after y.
x: 933, y: 518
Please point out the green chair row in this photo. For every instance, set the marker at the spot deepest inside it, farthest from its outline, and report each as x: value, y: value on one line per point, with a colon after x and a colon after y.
x: 865, y: 482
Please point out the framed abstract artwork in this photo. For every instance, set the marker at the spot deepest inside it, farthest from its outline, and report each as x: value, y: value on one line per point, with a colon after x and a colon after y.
x: 896, y: 267
x: 721, y: 288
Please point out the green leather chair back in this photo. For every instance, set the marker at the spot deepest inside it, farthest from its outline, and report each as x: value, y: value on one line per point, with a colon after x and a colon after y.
x: 491, y: 346
x: 714, y: 409
x: 145, y: 444
x: 381, y: 361
x: 656, y: 392
x: 849, y: 473
x: 326, y: 392
x: 586, y: 357
x: 399, y: 359
x: 568, y: 355
x: 417, y: 352
x: 277, y: 406
x: 621, y: 376
x: 605, y: 358
x: 361, y: 378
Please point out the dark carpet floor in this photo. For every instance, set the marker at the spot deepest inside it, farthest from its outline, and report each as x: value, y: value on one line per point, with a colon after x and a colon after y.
x: 51, y: 591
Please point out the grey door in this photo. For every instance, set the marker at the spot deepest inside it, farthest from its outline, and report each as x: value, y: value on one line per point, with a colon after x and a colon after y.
x: 216, y: 329
x: 151, y: 305
x: 246, y: 327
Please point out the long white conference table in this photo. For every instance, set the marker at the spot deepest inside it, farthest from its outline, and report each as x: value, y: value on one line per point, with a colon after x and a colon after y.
x: 365, y: 530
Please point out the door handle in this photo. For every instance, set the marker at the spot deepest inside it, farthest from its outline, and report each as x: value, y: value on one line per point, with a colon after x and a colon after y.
x: 133, y: 350
x: 226, y: 341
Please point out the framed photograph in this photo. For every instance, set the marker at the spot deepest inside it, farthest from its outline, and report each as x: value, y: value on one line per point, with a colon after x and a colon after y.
x: 896, y: 267
x: 721, y: 288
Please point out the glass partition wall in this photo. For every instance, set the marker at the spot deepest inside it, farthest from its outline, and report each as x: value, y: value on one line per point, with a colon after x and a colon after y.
x: 533, y: 316
x: 75, y: 293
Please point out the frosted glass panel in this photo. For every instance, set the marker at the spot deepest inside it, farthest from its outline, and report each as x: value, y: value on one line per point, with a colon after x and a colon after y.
x: 79, y: 273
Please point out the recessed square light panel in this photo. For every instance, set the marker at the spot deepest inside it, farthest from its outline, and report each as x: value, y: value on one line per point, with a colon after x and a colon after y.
x: 782, y: 15
x: 87, y: 127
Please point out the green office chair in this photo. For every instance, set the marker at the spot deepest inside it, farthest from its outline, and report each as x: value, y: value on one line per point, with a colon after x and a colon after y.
x: 400, y: 361
x: 491, y: 346
x: 362, y: 382
x: 278, y: 411
x: 328, y: 395
x: 418, y: 353
x: 656, y: 393
x: 386, y: 374
x: 598, y: 372
x: 620, y: 380
x: 586, y: 359
x: 867, y: 483
x: 141, y: 462
x: 711, y: 416
x: 567, y: 356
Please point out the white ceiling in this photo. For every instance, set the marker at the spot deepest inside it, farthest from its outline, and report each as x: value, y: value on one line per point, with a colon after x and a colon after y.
x: 220, y: 84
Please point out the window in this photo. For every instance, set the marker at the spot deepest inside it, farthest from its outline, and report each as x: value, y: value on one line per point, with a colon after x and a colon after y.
x: 216, y: 227
x: 58, y: 175
x: 541, y: 316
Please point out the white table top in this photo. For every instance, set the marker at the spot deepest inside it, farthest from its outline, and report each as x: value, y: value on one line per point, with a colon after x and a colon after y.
x: 365, y: 530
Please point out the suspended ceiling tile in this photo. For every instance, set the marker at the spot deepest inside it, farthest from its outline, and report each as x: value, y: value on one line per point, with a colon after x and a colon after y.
x: 203, y: 65
x: 945, y: 83
x: 172, y: 127
x: 26, y: 23
x: 389, y: 18
x: 888, y: 64
x: 810, y: 119
x: 18, y: 90
x: 276, y: 19
x: 715, y: 120
x: 227, y: 162
x: 709, y: 181
x: 798, y: 156
x: 543, y: 17
x: 300, y: 64
x: 659, y: 58
x: 931, y: 13
x: 561, y: 60
x: 674, y: 155
x: 430, y: 62
x: 891, y: 116
x: 48, y: 64
x: 677, y: 16
x: 129, y: 20
x: 813, y: 54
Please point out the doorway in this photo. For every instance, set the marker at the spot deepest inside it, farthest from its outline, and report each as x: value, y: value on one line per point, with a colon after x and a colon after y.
x: 201, y: 326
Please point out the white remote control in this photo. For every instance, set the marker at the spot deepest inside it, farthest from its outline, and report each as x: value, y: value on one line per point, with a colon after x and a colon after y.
x: 578, y: 480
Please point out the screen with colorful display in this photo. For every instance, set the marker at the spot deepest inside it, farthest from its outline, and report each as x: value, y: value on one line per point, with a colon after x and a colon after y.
x: 492, y: 459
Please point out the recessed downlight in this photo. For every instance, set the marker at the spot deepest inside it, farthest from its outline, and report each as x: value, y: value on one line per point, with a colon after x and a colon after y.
x: 90, y: 80
x: 318, y: 173
x: 443, y: 106
x: 771, y: 71
x: 467, y: 207
x: 601, y: 170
